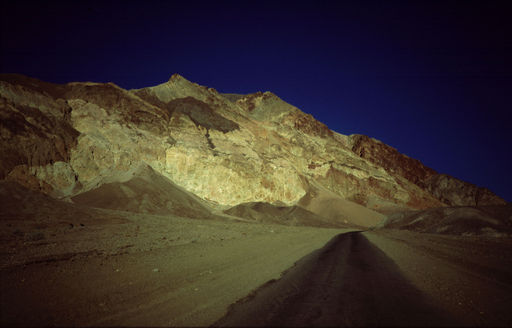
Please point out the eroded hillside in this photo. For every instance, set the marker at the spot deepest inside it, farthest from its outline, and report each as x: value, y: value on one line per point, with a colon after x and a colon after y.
x: 66, y: 140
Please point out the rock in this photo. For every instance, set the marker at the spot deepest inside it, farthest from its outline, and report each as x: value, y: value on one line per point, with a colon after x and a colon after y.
x: 455, y: 192
x: 228, y: 149
x: 35, y: 131
x: 447, y: 189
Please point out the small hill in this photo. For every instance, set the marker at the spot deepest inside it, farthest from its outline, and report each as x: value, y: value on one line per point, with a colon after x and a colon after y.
x: 287, y: 215
x: 145, y: 191
x: 33, y: 223
x: 493, y: 221
x: 22, y: 204
x: 335, y: 209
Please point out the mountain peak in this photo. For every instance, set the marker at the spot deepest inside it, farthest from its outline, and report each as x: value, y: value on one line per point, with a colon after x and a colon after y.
x: 176, y: 77
x: 257, y: 147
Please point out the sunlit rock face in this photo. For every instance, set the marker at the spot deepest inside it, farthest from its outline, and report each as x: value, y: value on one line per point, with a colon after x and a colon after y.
x: 64, y: 140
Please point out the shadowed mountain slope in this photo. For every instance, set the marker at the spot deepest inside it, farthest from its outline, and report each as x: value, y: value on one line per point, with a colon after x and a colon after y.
x: 494, y: 221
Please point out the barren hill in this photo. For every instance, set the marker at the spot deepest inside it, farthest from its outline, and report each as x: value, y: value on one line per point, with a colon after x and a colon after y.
x: 71, y: 141
x: 145, y: 191
x: 175, y: 205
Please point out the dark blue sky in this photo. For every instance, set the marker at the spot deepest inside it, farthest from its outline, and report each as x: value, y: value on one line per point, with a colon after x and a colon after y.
x: 433, y: 78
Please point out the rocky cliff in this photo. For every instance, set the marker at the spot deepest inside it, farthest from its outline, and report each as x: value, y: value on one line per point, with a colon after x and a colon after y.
x: 227, y: 149
x: 447, y: 189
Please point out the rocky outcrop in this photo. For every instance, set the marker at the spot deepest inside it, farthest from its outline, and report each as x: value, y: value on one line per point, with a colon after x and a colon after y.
x: 447, y: 189
x: 455, y: 192
x: 67, y: 140
x: 391, y: 160
x: 35, y: 133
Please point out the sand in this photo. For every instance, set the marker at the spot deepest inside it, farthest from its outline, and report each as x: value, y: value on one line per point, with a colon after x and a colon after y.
x: 72, y: 265
x: 148, y: 271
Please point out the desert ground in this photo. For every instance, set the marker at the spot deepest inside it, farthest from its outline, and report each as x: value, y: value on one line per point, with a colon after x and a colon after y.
x: 64, y: 264
x: 146, y: 271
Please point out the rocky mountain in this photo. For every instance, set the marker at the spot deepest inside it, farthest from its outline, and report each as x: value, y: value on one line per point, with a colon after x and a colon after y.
x: 75, y: 141
x: 447, y: 189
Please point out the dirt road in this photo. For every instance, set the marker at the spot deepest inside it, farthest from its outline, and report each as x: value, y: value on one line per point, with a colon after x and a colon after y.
x: 351, y: 281
x: 339, y: 278
x: 348, y: 282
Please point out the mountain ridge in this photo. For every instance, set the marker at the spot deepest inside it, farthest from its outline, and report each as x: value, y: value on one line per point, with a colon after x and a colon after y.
x: 228, y: 150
